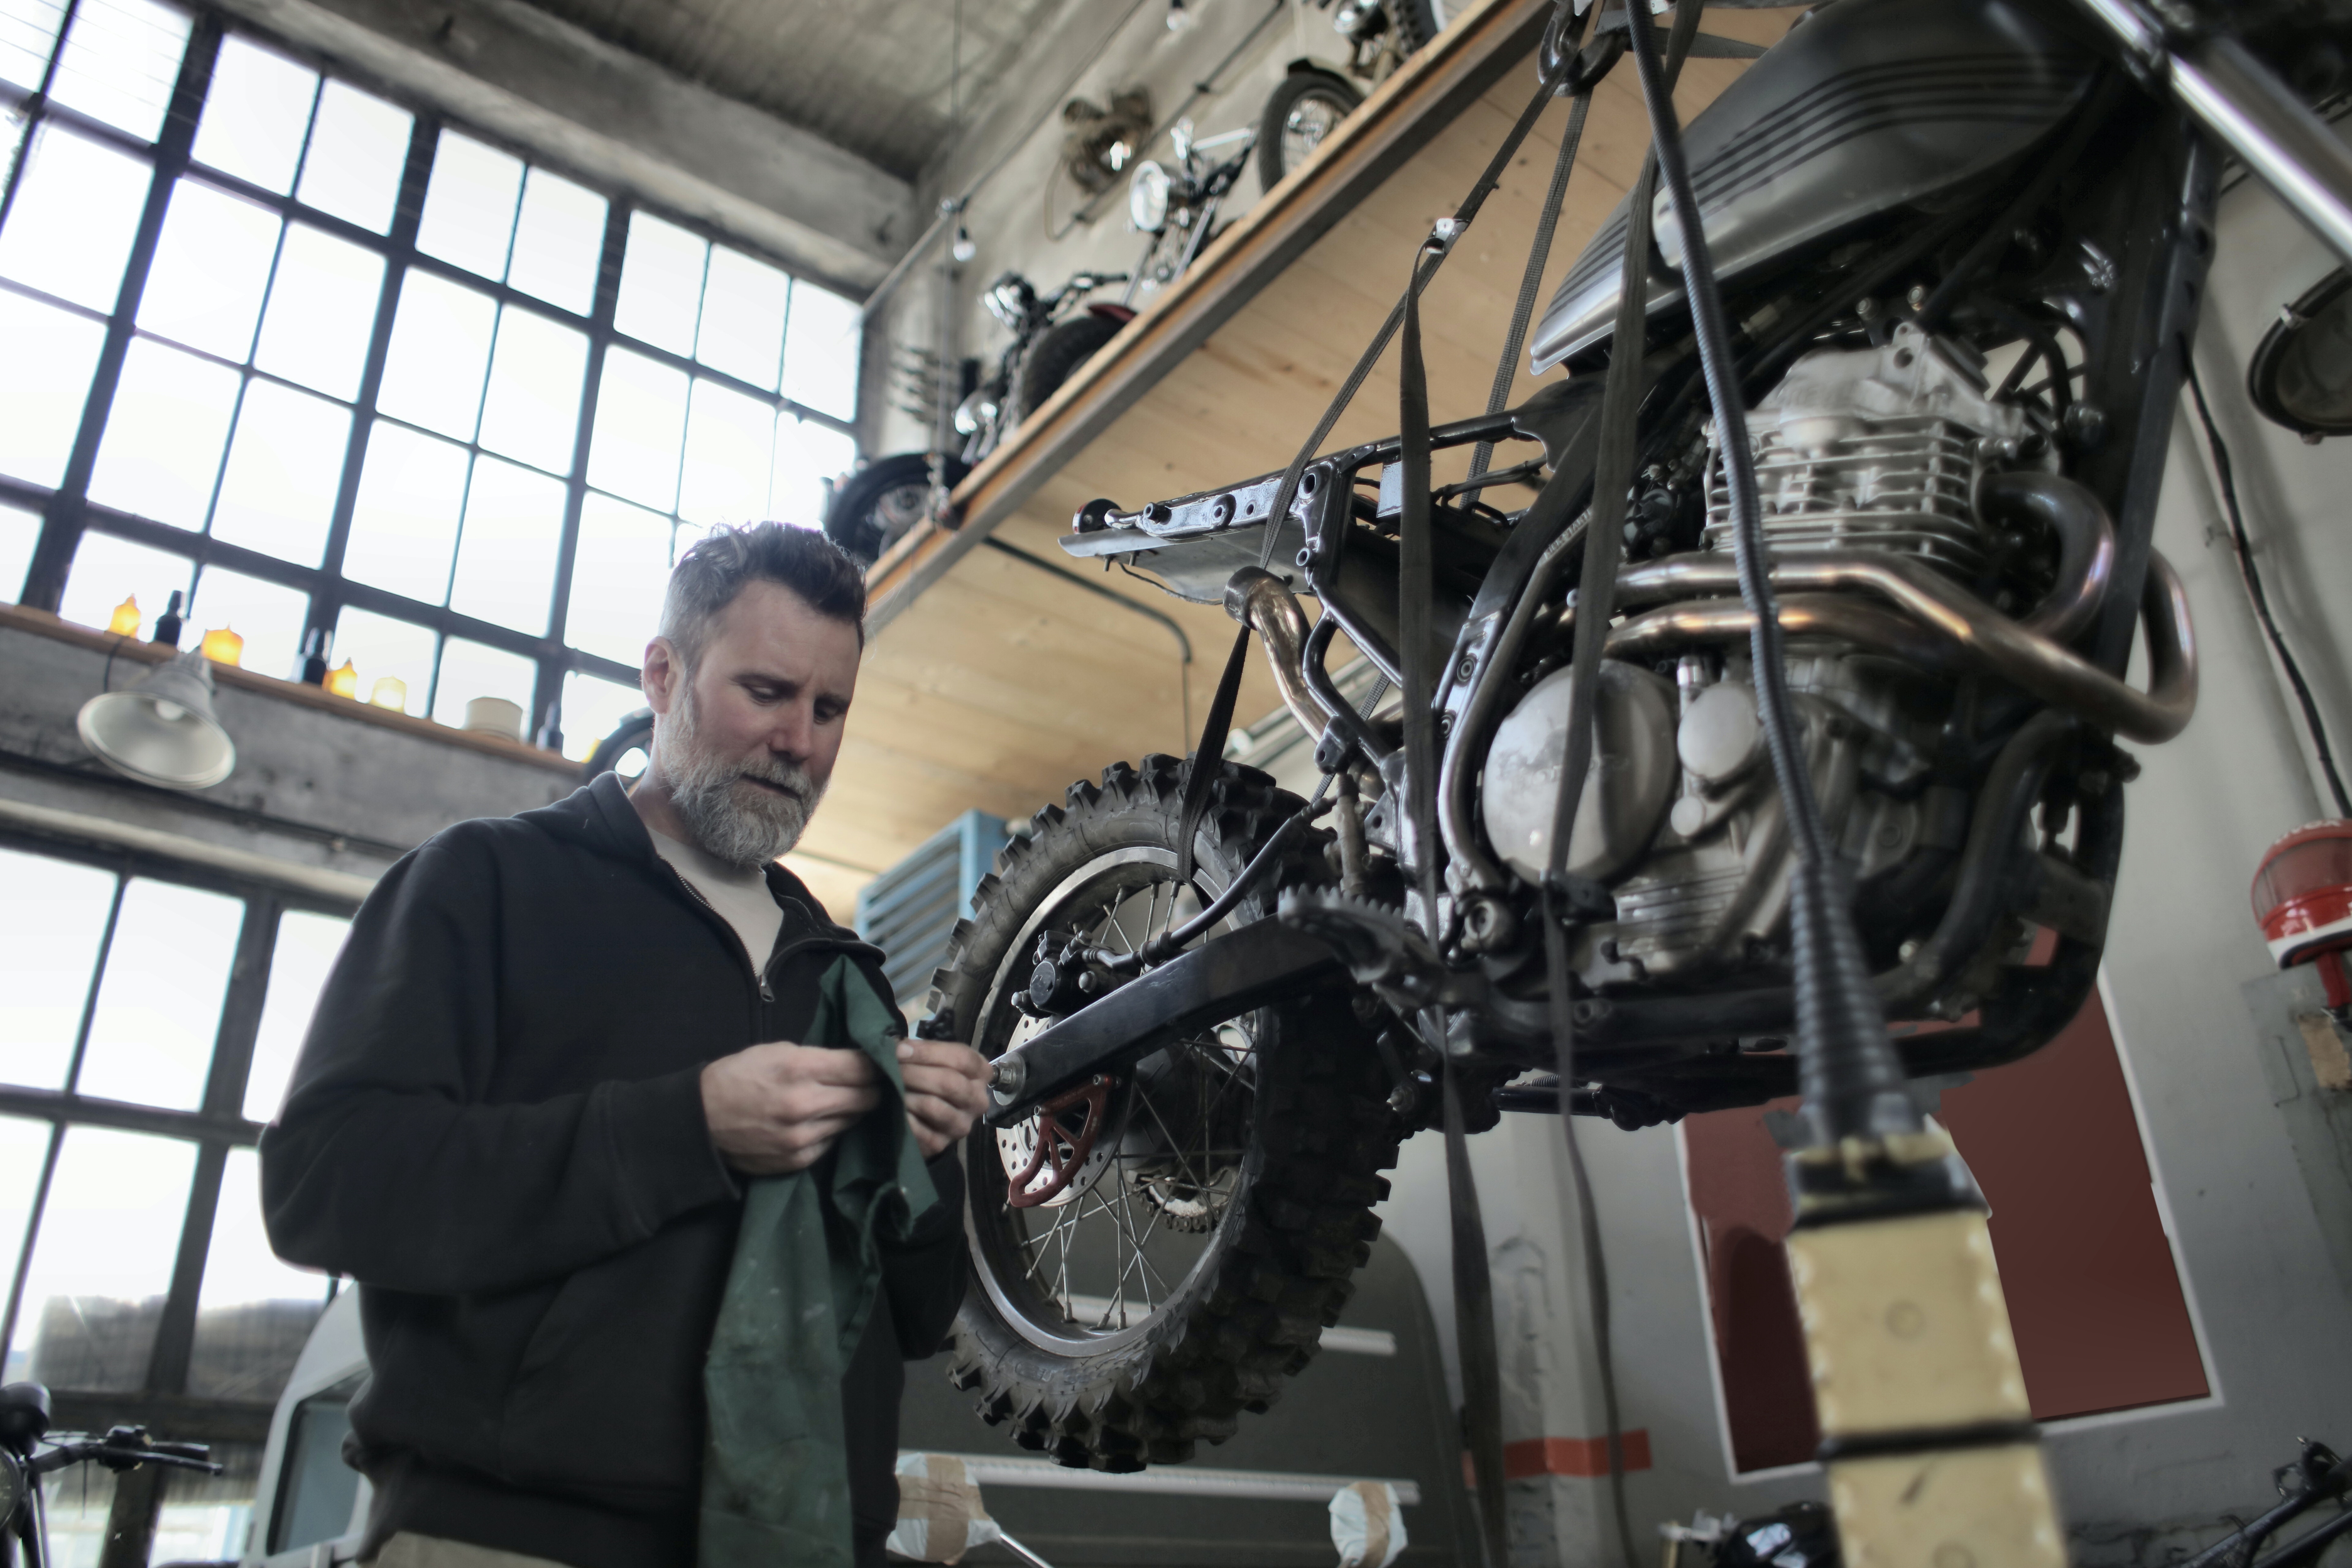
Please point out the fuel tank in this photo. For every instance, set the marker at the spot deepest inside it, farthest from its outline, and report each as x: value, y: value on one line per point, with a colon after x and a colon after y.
x: 1866, y: 109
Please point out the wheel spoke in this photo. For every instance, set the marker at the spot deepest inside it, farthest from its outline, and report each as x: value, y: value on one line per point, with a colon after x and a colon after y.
x: 1183, y: 1169
x: 1175, y: 1144
x: 1110, y: 913
x: 1147, y: 1277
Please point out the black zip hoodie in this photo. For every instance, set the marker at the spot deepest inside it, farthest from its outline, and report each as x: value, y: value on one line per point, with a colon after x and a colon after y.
x: 496, y: 1128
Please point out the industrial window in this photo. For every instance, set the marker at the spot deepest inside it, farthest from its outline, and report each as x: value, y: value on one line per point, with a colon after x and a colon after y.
x: 152, y: 1025
x: 328, y: 366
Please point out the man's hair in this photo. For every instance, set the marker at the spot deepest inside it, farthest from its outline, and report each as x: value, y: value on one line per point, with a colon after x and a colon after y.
x: 708, y: 578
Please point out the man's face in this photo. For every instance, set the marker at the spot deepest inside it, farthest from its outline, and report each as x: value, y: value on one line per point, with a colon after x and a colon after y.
x: 747, y: 744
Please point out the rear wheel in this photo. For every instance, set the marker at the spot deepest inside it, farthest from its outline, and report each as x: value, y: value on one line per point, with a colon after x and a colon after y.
x: 1055, y: 356
x: 1195, y: 1220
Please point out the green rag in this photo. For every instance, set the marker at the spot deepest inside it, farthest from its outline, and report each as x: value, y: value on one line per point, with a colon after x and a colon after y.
x: 775, y: 1478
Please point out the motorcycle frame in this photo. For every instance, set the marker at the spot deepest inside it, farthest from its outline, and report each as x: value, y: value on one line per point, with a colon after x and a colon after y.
x: 2141, y: 194
x: 1204, y: 189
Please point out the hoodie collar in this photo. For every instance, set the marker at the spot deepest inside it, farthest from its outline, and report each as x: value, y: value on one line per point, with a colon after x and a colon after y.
x: 600, y: 812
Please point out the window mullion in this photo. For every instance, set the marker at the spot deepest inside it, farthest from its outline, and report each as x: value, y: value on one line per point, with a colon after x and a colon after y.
x: 45, y: 584
x: 35, y: 110
x: 24, y: 1260
x: 240, y: 1021
x: 97, y: 978
x: 327, y: 606
x: 547, y: 700
x: 175, y: 1335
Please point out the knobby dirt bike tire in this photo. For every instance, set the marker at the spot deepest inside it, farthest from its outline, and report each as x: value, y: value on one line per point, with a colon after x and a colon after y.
x: 1279, y: 1258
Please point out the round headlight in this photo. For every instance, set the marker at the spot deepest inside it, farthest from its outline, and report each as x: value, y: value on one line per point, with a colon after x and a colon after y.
x: 1147, y: 197
x: 2301, y: 376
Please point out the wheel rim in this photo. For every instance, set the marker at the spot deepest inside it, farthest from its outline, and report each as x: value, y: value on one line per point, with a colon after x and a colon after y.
x: 1094, y: 1268
x: 1309, y: 121
x: 897, y: 510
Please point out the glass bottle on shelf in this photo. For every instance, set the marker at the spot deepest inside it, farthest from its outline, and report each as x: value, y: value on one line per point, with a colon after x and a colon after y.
x: 167, y: 625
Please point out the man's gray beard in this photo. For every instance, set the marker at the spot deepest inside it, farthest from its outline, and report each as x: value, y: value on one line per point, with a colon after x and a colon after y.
x: 734, y: 823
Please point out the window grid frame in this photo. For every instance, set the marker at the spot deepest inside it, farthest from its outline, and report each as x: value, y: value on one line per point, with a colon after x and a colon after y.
x: 216, y: 1127
x: 68, y: 512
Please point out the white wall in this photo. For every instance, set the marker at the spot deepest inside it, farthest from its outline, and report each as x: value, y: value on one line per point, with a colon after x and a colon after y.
x: 1008, y: 217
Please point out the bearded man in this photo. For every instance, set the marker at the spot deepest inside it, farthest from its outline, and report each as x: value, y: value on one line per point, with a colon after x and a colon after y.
x: 559, y: 1103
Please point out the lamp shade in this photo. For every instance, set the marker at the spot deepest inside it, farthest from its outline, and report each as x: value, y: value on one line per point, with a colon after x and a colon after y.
x: 162, y: 732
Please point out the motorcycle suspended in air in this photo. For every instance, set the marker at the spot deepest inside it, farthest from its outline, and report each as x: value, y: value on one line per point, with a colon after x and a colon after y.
x: 1958, y: 245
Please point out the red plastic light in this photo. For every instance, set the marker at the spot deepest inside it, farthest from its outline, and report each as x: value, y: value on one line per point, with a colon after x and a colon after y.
x: 2302, y: 893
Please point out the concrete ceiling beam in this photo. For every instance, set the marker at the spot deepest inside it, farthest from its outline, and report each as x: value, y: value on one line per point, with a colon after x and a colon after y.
x: 616, y: 118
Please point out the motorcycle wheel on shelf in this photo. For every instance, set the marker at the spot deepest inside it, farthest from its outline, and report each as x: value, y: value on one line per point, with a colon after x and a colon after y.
x: 1171, y: 1254
x: 1056, y: 355
x: 882, y: 502
x: 1300, y: 112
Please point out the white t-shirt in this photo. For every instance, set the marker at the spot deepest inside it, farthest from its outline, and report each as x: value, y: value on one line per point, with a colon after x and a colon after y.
x: 741, y: 898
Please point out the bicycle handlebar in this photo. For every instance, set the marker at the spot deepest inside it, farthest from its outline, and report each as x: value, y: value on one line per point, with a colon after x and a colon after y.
x: 123, y: 1454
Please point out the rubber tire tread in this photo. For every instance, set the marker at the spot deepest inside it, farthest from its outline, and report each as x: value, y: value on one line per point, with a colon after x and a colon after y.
x: 1055, y: 357
x: 1284, y: 1256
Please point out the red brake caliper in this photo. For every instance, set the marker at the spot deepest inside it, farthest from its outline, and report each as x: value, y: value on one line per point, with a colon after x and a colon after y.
x: 1064, y: 1153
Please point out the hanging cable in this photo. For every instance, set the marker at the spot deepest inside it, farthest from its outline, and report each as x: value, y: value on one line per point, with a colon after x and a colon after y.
x: 1851, y: 1076
x: 2243, y: 549
x: 1612, y: 480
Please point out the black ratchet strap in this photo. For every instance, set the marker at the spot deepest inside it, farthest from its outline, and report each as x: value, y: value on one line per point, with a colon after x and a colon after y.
x: 1474, y: 1285
x: 1523, y: 310
x: 1569, y: 71
x: 1208, y: 758
x: 1604, y: 538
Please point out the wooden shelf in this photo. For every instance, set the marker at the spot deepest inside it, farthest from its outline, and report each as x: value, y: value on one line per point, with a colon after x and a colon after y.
x: 43, y: 623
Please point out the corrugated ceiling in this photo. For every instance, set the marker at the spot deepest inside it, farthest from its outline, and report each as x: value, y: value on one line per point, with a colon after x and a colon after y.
x: 871, y: 75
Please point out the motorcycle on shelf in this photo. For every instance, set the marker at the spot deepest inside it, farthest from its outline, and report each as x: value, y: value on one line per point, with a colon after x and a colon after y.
x: 1176, y: 208
x: 1380, y: 34
x: 1952, y: 314
x: 1053, y: 334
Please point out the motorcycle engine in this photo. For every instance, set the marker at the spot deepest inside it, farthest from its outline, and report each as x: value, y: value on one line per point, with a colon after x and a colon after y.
x: 1866, y: 449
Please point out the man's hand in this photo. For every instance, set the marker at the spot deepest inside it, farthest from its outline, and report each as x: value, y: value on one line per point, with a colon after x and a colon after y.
x: 947, y: 1090
x: 777, y: 1108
